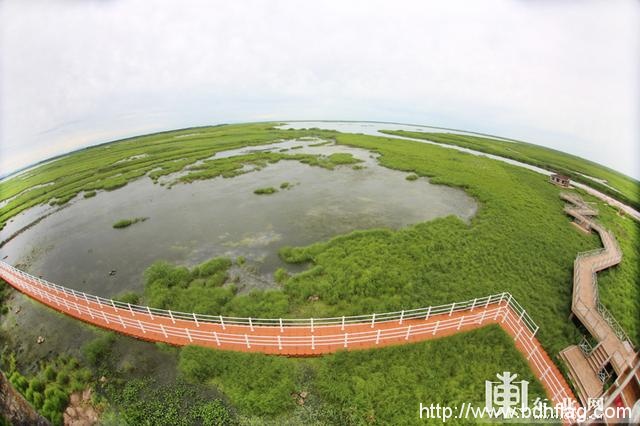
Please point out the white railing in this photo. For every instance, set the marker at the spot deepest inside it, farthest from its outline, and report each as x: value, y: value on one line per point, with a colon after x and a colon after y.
x: 375, y: 318
x: 610, y: 244
x: 210, y: 330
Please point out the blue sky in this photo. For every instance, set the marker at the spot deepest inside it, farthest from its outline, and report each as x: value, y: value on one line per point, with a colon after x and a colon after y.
x: 563, y: 74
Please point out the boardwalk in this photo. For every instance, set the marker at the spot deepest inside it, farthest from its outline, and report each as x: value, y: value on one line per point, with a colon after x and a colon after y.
x: 614, y: 347
x: 302, y: 337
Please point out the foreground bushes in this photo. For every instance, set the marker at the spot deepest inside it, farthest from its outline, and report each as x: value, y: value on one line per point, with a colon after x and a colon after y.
x: 49, y: 389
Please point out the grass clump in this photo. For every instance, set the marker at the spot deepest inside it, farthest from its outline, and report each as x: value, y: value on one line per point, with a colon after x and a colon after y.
x: 265, y: 191
x: 412, y: 177
x: 89, y: 194
x: 285, y: 185
x: 124, y: 223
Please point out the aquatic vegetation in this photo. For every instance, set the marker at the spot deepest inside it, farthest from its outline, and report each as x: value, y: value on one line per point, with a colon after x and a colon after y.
x: 355, y: 387
x: 124, y: 223
x: 265, y: 191
x: 146, y: 402
x: 285, y: 185
x: 89, y: 194
x: 412, y: 176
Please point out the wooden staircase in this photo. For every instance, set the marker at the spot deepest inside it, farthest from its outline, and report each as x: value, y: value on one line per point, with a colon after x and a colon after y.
x: 598, y: 358
x: 585, y: 379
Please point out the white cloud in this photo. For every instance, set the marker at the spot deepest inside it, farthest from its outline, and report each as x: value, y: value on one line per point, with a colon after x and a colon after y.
x: 561, y: 73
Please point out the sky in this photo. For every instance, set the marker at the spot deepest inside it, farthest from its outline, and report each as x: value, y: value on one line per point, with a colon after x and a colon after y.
x: 559, y: 73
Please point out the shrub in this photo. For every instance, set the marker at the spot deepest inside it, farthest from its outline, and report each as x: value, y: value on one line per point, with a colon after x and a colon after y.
x: 412, y: 176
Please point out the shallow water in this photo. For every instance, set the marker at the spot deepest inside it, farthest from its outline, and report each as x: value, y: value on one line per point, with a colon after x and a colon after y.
x: 189, y: 223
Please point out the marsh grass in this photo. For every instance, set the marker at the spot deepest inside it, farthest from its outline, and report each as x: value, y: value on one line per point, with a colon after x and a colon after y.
x: 265, y: 190
x: 412, y: 177
x: 545, y: 158
x: 125, y: 223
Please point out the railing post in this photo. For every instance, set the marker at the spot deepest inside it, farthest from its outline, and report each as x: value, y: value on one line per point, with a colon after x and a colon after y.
x: 250, y: 324
x: 164, y: 331
x: 460, y: 322
x: 171, y: 316
x: 531, y: 352
x: 130, y: 309
x: 104, y: 317
x: 378, y: 336
x: 428, y: 313
x: 311, y: 325
x: 222, y: 322
x: 487, y: 303
x: 113, y: 305
x: 246, y: 339
x: 313, y: 342
x: 401, y: 316
x: 453, y: 305
x: 141, y: 327
x: 188, y: 334
x: 195, y: 318
x: 534, y: 332
x: 435, y: 329
x: 408, y: 333
x: 149, y: 312
x: 342, y: 323
x: 122, y: 322
x: 518, y: 335
x: 473, y: 306
x: 345, y: 339
x: 215, y: 336
x: 373, y: 320
x: 281, y: 327
x: 279, y: 342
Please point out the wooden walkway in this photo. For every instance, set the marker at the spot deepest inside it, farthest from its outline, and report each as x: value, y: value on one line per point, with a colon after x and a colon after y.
x: 306, y: 337
x: 613, y: 347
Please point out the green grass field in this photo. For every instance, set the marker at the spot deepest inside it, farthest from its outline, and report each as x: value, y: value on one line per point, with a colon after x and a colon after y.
x: 626, y: 189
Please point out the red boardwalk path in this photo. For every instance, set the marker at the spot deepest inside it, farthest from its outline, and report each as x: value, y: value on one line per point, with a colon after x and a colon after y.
x: 301, y: 337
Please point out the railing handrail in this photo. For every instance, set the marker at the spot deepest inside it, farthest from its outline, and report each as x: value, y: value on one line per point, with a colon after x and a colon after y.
x: 501, y: 307
x: 406, y: 314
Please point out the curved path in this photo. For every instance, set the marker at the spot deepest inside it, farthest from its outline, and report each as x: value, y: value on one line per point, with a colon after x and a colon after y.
x: 614, y: 347
x: 301, y: 337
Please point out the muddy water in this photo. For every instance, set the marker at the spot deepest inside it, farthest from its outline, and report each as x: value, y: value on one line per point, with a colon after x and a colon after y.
x: 189, y: 223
